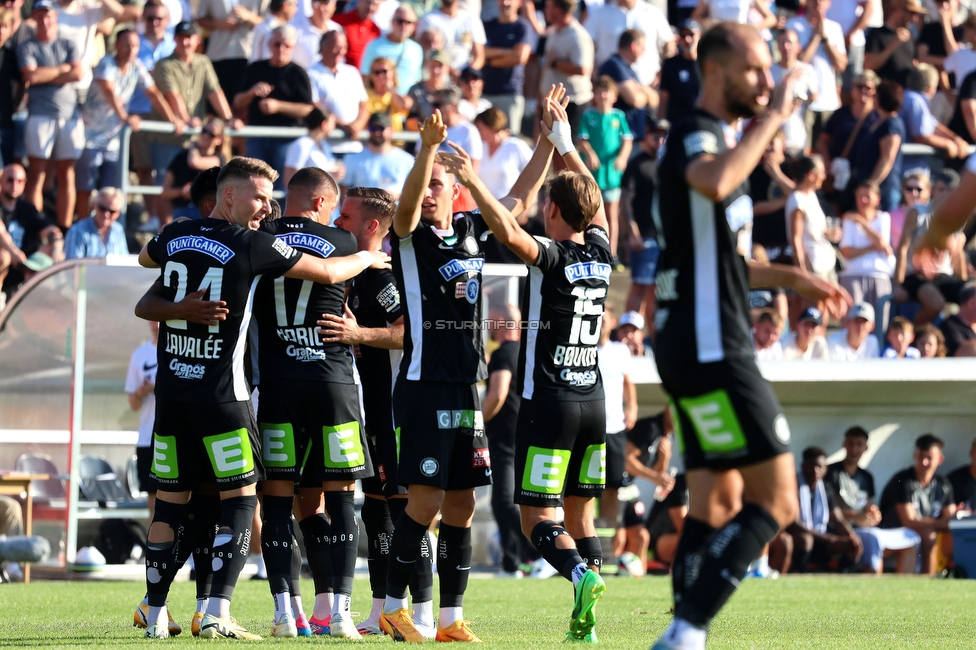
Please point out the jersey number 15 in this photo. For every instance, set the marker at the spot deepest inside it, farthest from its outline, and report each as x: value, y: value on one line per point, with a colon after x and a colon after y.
x: 585, y: 306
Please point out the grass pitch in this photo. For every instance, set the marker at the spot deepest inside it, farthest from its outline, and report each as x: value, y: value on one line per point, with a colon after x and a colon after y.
x: 843, y: 612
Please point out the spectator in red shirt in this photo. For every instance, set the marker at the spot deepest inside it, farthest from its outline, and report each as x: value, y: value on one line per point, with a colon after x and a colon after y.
x: 360, y: 29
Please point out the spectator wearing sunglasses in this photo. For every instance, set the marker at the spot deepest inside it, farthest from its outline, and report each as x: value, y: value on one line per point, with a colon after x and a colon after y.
x: 398, y: 46
x: 100, y: 234
x: 199, y: 156
x: 382, y: 95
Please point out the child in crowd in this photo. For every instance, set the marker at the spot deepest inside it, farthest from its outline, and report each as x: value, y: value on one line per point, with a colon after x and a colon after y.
x: 901, y: 334
x: 930, y: 342
x: 606, y: 142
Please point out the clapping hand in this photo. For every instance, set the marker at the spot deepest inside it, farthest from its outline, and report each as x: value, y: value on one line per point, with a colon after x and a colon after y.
x: 433, y: 132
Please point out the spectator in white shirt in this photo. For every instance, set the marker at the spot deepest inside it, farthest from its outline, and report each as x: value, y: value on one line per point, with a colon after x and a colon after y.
x: 869, y: 261
x: 459, y: 131
x: 605, y: 24
x: 807, y: 222
x: 807, y: 342
x: 765, y: 336
x: 806, y: 86
x: 337, y: 86
x: 313, y: 149
x: 630, y: 330
x: 279, y: 13
x: 900, y: 336
x: 505, y: 156
x: 854, y: 342
x: 79, y: 22
x: 464, y: 33
x: 853, y: 16
x: 310, y: 33
x: 823, y: 46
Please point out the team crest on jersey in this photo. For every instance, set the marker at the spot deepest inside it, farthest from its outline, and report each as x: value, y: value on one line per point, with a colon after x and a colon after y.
x: 455, y: 268
x: 203, y: 245
x: 309, y: 242
x: 467, y: 290
x: 700, y: 142
x: 470, y: 245
x: 355, y: 302
x: 588, y: 271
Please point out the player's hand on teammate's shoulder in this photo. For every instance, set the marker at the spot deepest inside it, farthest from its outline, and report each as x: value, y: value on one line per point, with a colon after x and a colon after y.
x: 204, y: 312
x: 380, y: 260
x: 433, y: 132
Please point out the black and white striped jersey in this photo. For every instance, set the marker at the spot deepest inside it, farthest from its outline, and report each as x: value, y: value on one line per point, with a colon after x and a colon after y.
x: 286, y: 309
x: 702, y: 279
x: 563, y: 312
x: 205, y: 363
x: 440, y: 275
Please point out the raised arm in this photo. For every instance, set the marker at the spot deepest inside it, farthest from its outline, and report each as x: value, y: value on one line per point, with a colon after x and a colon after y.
x: 407, y: 217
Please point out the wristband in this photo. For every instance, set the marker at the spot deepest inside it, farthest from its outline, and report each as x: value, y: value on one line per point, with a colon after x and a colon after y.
x: 561, y: 138
x: 366, y: 257
x: 971, y: 163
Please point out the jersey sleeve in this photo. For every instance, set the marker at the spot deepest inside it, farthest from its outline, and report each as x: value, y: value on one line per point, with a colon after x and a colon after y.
x: 387, y: 295
x: 271, y: 256
x: 904, y: 490
x: 693, y: 141
x: 550, y: 254
x: 156, y: 249
x: 597, y: 236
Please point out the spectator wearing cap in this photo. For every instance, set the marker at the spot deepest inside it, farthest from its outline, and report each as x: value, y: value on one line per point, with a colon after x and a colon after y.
x: 464, y: 34
x: 360, y: 29
x: 379, y: 164
x: 568, y: 58
x: 864, y: 244
x: 788, y: 45
x: 942, y: 283
x: 277, y: 93
x: 504, y: 156
x: 459, y: 130
x: 607, y: 22
x: 382, y: 95
x: 400, y: 48
x: 960, y: 328
x: 472, y: 104
x: 921, y: 127
x: 338, y: 87
x: 630, y: 331
x: 280, y: 12
x: 319, y: 23
x: 634, y: 98
x: 822, y: 40
x: 765, y: 336
x: 854, y: 342
x: 637, y: 220
x: 313, y: 150
x: 507, y: 49
x: 890, y: 50
x: 80, y: 21
x: 231, y: 25
x: 100, y: 234
x: 422, y: 94
x: 921, y: 499
x: 680, y: 82
x: 29, y: 231
x: 807, y: 342
x: 106, y: 111
x: 50, y: 65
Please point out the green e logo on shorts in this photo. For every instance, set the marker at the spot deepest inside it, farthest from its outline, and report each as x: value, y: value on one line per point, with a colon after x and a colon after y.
x: 164, y: 463
x: 343, y: 446
x: 230, y: 453
x: 278, y: 445
x: 715, y: 422
x: 593, y: 471
x: 396, y: 432
x: 545, y: 470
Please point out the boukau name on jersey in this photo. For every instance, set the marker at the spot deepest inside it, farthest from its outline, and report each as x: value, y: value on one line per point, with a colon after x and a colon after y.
x: 455, y: 268
x: 309, y: 242
x: 204, y: 245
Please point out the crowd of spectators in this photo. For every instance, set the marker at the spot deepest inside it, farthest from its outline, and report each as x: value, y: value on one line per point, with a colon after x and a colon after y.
x: 835, y: 194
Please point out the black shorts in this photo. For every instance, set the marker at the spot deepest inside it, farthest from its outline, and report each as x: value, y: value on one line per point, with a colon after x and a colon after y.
x: 634, y: 513
x: 616, y: 449
x: 312, y: 431
x: 560, y: 448
x: 728, y: 415
x: 383, y: 451
x: 199, y: 443
x: 144, y: 458
x: 442, y: 435
x: 948, y: 285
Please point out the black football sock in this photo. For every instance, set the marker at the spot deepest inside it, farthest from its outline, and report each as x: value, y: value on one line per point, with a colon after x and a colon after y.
x: 161, y: 557
x: 203, y: 519
x: 422, y: 583
x: 345, y: 539
x: 404, y: 551
x: 591, y: 550
x: 276, y: 538
x: 296, y: 569
x: 687, y: 555
x: 379, y: 530
x: 231, y: 544
x: 564, y: 560
x: 315, y: 530
x: 454, y: 567
x: 724, y: 564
